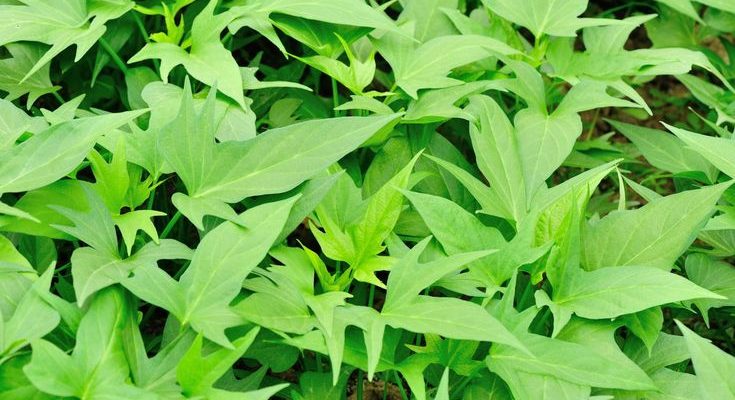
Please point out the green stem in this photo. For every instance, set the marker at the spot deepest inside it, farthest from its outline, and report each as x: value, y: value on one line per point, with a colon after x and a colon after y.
x: 181, y: 270
x: 170, y: 225
x: 151, y: 198
x: 63, y: 267
x: 318, y: 362
x: 359, y: 384
x: 317, y: 75
x: 141, y: 27
x: 335, y: 97
x: 146, y: 37
x: 404, y: 396
x: 385, y: 386
x: 113, y: 54
x: 591, y: 129
x: 371, y: 296
x: 526, y: 296
x: 338, y: 267
x: 58, y: 97
x: 227, y: 41
x: 460, y: 387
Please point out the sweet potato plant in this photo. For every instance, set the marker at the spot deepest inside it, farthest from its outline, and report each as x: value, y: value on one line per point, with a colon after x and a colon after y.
x: 348, y: 199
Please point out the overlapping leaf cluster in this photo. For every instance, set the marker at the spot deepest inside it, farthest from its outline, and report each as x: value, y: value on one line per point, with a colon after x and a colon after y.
x: 249, y: 199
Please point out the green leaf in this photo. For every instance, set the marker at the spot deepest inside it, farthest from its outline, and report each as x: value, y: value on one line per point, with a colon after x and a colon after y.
x: 646, y: 325
x: 455, y: 228
x: 111, y: 180
x: 137, y: 220
x: 355, y: 77
x: 196, y: 373
x: 322, y: 37
x: 231, y: 122
x: 196, y: 208
x: 76, y: 23
x: 544, y: 142
x: 713, y: 275
x: 685, y: 7
x: 189, y: 140
x: 13, y: 72
x: 718, y: 151
x: 442, y: 391
x: 408, y: 277
x: 714, y: 367
x: 567, y: 362
x: 221, y: 262
x: 539, y: 386
x: 667, y: 350
x: 378, y: 216
x: 16, y: 212
x: 55, y: 152
x: 15, y: 385
x: 488, y: 199
x: 498, y: 155
x: 614, y: 291
x: 460, y: 319
x: 256, y: 15
x: 39, y: 203
x: 665, y: 151
x: 654, y: 235
x: 33, y: 319
x: 450, y: 318
x: 93, y: 270
x: 458, y: 231
x: 65, y: 112
x: 427, y: 66
x: 155, y: 286
x: 53, y: 371
x: 257, y: 166
x: 97, y: 368
x: 272, y: 311
x: 315, y: 385
x: 14, y: 123
x: 590, y: 94
x: 554, y: 17
x: 440, y: 104
x: 721, y: 4
x: 92, y: 225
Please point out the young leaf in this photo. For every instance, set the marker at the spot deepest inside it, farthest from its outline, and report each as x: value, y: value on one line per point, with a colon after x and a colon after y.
x: 207, y: 61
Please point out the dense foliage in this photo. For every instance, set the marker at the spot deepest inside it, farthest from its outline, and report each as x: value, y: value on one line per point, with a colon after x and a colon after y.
x: 330, y: 199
